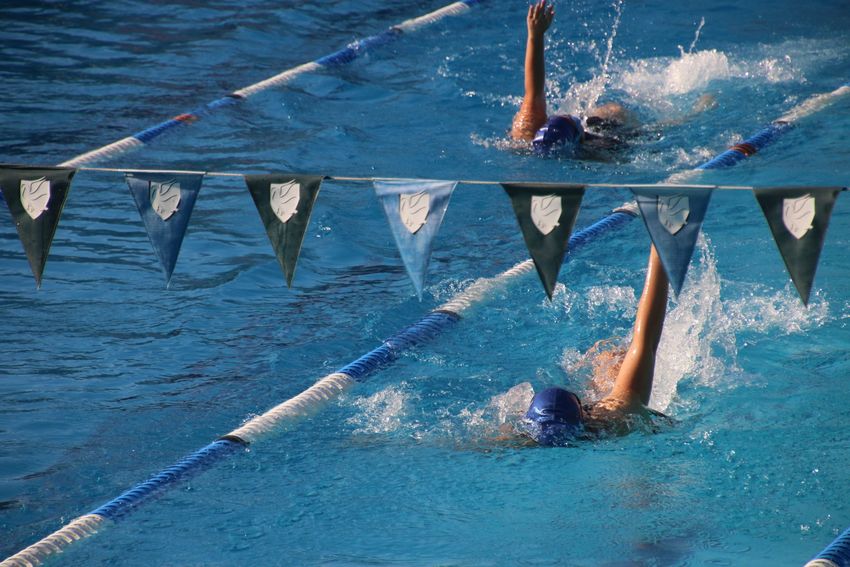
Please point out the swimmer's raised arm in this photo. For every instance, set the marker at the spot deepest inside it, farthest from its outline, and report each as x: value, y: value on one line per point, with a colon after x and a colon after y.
x: 633, y: 385
x: 532, y: 113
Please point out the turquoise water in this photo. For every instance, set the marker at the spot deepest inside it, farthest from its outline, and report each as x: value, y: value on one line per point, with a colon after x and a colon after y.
x: 108, y: 377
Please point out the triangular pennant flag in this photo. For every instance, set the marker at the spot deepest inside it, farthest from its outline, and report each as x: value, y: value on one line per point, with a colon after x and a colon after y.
x: 415, y: 210
x: 165, y: 202
x: 36, y: 196
x: 546, y: 214
x: 673, y: 218
x: 285, y: 202
x: 798, y: 219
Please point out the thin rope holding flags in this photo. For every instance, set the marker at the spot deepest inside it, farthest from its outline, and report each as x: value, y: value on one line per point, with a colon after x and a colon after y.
x: 153, y: 191
x: 415, y: 209
x: 165, y: 202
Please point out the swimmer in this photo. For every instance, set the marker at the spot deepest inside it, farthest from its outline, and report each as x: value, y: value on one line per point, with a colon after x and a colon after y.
x: 556, y: 416
x: 605, y: 126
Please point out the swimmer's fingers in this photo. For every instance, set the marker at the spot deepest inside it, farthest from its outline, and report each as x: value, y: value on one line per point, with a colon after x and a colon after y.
x: 705, y: 102
x: 549, y: 13
x: 540, y: 17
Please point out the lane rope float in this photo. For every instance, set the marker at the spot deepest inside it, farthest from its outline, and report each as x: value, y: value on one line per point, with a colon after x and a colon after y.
x: 305, y: 403
x: 336, y: 59
x: 334, y: 384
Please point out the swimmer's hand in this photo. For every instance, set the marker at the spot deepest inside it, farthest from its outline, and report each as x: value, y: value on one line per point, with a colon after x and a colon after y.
x: 705, y: 102
x: 540, y: 16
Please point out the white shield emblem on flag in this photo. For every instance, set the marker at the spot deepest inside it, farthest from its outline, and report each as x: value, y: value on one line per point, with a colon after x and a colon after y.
x: 413, y: 210
x: 165, y: 197
x: 545, y: 212
x: 284, y: 199
x: 798, y: 214
x: 673, y: 212
x: 35, y: 193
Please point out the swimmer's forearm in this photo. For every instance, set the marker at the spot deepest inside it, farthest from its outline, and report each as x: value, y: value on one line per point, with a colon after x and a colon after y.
x: 539, y: 18
x: 634, y: 381
x: 653, y: 302
x: 535, y: 73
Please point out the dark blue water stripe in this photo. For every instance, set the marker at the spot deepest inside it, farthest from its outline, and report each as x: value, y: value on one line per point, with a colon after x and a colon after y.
x: 838, y: 551
x: 187, y: 467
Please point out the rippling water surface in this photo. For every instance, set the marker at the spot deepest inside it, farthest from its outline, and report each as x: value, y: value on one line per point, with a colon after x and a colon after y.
x: 108, y: 377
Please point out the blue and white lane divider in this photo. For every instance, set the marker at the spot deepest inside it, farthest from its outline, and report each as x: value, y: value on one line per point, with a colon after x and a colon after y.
x: 305, y: 403
x: 836, y: 554
x: 773, y: 131
x: 332, y: 385
x: 342, y: 57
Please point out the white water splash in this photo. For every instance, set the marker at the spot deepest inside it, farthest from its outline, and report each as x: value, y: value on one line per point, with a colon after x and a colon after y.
x: 649, y: 79
x: 658, y: 83
x: 381, y: 412
x: 696, y: 35
x: 604, y: 77
x: 700, y: 340
x: 505, y: 408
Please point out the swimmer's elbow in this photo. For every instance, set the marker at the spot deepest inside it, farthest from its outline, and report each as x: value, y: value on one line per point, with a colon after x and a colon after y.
x: 522, y: 134
x: 526, y: 123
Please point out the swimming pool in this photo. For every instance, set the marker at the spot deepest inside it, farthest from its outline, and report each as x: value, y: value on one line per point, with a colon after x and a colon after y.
x: 109, y: 377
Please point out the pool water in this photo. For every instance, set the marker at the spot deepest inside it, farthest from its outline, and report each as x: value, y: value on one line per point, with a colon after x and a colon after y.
x: 108, y: 377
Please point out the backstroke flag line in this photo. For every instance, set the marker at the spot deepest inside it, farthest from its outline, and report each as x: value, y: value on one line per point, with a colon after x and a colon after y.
x: 165, y: 202
x: 36, y: 196
x: 415, y: 210
x: 798, y: 219
x: 546, y: 214
x: 673, y: 218
x: 285, y: 202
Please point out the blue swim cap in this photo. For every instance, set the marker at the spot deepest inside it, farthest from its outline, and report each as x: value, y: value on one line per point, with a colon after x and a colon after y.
x: 554, y: 417
x: 563, y: 130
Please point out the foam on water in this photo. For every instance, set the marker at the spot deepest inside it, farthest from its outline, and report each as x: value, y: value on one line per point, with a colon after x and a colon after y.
x: 701, y: 332
x: 699, y: 346
x: 382, y: 412
x: 660, y: 88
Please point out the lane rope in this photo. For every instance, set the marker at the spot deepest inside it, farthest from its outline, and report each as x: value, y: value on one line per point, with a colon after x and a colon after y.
x: 426, y: 329
x: 334, y: 384
x: 342, y: 57
x: 305, y: 403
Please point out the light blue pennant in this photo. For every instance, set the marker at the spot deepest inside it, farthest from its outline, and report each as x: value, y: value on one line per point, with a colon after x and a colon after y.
x: 165, y: 202
x: 415, y: 210
x: 673, y: 218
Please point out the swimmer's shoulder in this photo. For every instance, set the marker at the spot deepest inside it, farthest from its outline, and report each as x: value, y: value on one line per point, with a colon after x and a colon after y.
x: 612, y: 416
